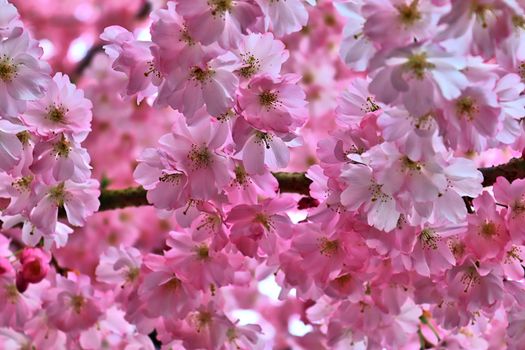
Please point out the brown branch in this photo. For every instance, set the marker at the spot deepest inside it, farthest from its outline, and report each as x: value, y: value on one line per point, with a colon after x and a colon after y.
x: 514, y: 169
x: 296, y: 183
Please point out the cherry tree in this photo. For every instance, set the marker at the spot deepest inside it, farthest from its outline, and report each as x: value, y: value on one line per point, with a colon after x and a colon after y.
x: 262, y: 174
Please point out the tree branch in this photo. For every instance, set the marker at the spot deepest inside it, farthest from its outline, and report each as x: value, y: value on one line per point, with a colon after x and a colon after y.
x: 296, y: 183
x: 514, y: 169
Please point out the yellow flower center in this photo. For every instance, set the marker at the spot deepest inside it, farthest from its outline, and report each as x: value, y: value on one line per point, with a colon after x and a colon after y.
x: 409, y: 14
x: 8, y: 69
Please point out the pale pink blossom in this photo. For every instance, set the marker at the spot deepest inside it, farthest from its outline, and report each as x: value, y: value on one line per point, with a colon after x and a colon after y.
x: 133, y: 58
x: 356, y: 48
x: 394, y: 23
x: 416, y: 74
x: 164, y: 293
x: 60, y: 159
x: 62, y: 109
x: 218, y: 21
x: 487, y: 234
x: 364, y: 192
x: 209, y: 82
x: 10, y: 146
x: 78, y: 200
x: 200, y: 265
x: 274, y: 105
x: 167, y: 186
x: 24, y: 77
x: 71, y: 304
x: 261, y: 54
x: 260, y: 150
x: 512, y: 195
x: 284, y: 17
x: 256, y: 227
x: 119, y: 266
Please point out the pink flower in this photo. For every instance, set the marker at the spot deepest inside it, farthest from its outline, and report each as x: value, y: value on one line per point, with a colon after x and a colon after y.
x: 486, y: 24
x: 512, y: 104
x: 487, y: 234
x: 60, y: 159
x: 274, y: 105
x: 284, y: 17
x: 475, y: 285
x: 35, y: 264
x: 395, y: 23
x: 322, y: 253
x: 8, y: 15
x: 512, y: 195
x: 364, y: 192
x: 200, y: 265
x: 255, y: 227
x: 220, y: 21
x: 10, y: 146
x: 119, y: 266
x: 260, y: 150
x: 261, y: 54
x: 356, y: 49
x: 133, y: 58
x: 167, y: 186
x: 71, y: 304
x: 164, y: 293
x: 355, y: 103
x: 78, y: 200
x: 23, y: 77
x: 33, y: 236
x: 413, y: 74
x: 176, y: 46
x: 62, y: 109
x: 211, y: 82
x: 463, y: 179
x: 472, y: 118
x: 195, y: 151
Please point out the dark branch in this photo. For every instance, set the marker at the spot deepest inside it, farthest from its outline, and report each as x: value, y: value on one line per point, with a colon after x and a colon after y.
x: 514, y: 169
x: 129, y: 197
x: 299, y: 183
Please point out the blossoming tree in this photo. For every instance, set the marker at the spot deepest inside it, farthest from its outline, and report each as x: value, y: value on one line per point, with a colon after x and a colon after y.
x: 262, y: 174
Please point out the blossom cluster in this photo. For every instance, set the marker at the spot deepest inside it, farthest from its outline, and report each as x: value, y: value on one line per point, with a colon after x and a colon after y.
x: 389, y: 107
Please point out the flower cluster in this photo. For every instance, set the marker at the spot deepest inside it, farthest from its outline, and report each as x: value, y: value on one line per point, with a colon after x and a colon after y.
x: 44, y: 120
x: 380, y: 112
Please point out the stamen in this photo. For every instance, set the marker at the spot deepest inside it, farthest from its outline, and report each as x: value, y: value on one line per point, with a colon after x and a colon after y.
x: 57, y: 113
x: 417, y: 64
x: 327, y: 247
x: 201, y: 75
x: 58, y: 194
x: 8, y: 69
x: 23, y: 184
x: 262, y: 137
x: 268, y: 99
x: 200, y: 157
x: 470, y: 278
x: 409, y: 14
x: 251, y: 65
x: 429, y: 239
x: 220, y: 7
x: 77, y: 302
x: 264, y: 220
x: 62, y: 148
x: 410, y: 165
x: 466, y: 107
